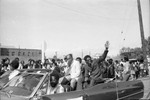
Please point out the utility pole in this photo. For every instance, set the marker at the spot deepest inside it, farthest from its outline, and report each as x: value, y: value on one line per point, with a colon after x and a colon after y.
x: 56, y: 54
x: 142, y: 30
x: 82, y: 53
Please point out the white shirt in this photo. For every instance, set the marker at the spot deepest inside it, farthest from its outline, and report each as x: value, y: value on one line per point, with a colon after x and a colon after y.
x: 75, y: 70
x: 126, y: 67
x: 13, y: 74
x: 57, y: 89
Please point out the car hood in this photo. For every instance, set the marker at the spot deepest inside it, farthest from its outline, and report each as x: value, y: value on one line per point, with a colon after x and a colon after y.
x: 5, y: 96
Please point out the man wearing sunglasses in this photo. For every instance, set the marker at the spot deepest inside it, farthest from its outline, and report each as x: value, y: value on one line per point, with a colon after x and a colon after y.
x: 73, y: 72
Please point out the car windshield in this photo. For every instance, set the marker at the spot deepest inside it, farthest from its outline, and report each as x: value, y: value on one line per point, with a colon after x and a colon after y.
x: 24, y: 84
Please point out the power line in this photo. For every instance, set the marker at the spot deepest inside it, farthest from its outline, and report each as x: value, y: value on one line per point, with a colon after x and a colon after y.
x: 80, y: 12
x: 125, y: 28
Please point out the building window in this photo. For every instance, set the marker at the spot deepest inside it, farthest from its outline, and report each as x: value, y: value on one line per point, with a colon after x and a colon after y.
x: 23, y: 53
x: 19, y: 53
x: 4, y: 52
x: 13, y: 53
x: 39, y: 53
x: 32, y: 53
x: 28, y: 53
x: 7, y: 54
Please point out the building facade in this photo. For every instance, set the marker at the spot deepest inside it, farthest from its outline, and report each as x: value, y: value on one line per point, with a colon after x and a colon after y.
x: 22, y: 54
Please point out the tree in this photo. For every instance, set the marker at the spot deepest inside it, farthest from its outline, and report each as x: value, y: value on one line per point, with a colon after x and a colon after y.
x: 147, y: 41
x: 135, y: 52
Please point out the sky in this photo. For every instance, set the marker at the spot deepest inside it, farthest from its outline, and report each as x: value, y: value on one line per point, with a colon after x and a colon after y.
x: 72, y: 26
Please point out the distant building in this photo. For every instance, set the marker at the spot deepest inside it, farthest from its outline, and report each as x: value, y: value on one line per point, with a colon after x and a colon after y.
x: 22, y: 54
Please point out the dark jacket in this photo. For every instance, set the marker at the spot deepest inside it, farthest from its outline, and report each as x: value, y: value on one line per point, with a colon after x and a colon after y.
x: 111, y: 71
x: 96, y: 69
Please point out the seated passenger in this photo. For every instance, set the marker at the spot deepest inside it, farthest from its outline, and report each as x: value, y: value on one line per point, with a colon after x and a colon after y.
x: 94, y: 69
x: 55, y: 87
x: 73, y: 73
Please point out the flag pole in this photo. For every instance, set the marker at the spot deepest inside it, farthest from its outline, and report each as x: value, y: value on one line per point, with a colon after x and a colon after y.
x: 44, y: 47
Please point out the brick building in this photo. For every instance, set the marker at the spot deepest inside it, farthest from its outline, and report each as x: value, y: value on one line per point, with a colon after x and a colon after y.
x: 22, y: 54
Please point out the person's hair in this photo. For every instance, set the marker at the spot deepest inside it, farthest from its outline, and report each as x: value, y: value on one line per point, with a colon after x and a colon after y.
x: 110, y: 61
x: 70, y: 55
x: 3, y: 61
x: 22, y: 61
x: 65, y: 58
x: 79, y: 58
x: 116, y: 61
x: 6, y: 59
x: 121, y: 65
x: 55, y: 75
x: 126, y: 58
x: 15, y: 64
x: 17, y: 58
x: 141, y: 60
x: 32, y: 61
x: 54, y: 62
x: 87, y: 56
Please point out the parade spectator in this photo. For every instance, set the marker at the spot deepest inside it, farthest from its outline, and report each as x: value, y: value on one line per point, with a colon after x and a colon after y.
x: 117, y: 65
x: 126, y: 69
x: 111, y: 69
x: 13, y: 66
x: 65, y: 67
x: 26, y: 65
x: 81, y: 79
x: 137, y: 70
x: 122, y: 62
x: 21, y: 64
x: 55, y: 66
x: 45, y: 64
x: 17, y: 59
x: 40, y: 63
x: 5, y: 65
x: 37, y: 64
x: 141, y: 65
x: 3, y: 69
x: 32, y: 64
x: 132, y: 70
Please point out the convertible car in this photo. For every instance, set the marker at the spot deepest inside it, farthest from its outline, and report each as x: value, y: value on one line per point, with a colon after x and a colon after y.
x: 27, y: 86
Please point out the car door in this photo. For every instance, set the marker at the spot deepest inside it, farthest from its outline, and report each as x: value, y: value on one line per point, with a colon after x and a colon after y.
x: 104, y: 91
x: 130, y: 90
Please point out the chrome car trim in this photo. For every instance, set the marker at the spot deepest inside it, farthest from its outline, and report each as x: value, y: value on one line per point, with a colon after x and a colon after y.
x: 130, y: 95
x: 39, y: 84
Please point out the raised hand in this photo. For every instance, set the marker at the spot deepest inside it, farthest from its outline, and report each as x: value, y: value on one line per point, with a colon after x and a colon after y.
x: 107, y: 44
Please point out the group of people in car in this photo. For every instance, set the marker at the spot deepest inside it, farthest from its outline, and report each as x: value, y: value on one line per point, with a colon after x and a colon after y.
x: 72, y: 74
x: 77, y: 76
